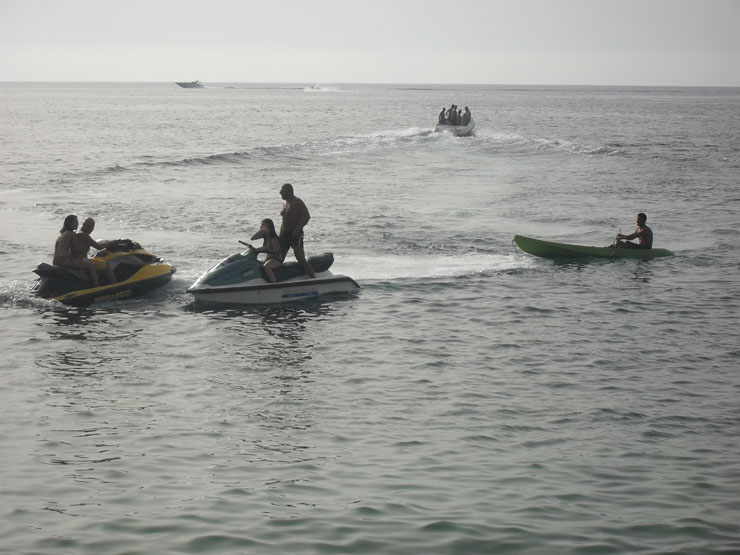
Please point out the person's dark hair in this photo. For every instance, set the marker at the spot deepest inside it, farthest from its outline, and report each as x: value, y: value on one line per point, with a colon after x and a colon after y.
x: 642, y: 215
x: 68, y: 223
x: 288, y: 187
x: 268, y: 222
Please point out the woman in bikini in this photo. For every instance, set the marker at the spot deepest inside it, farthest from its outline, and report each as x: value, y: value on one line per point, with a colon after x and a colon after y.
x: 271, y: 246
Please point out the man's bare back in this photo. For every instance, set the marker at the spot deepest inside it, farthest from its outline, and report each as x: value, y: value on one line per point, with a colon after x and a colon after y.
x: 63, y: 248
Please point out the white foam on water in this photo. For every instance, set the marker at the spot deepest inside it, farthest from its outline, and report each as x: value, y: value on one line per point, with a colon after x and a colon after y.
x: 396, y: 267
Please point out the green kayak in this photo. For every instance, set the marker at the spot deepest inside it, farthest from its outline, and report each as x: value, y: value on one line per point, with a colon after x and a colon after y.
x: 548, y: 249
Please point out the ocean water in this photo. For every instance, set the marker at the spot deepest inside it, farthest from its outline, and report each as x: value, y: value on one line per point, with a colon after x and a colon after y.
x: 469, y: 399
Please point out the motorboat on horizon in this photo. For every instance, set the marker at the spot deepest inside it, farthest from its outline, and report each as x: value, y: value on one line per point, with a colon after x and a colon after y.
x: 190, y: 84
x: 239, y: 279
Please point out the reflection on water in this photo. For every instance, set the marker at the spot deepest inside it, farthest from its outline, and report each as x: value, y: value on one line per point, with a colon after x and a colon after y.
x: 277, y: 336
x: 290, y: 323
x: 73, y: 363
x: 243, y: 382
x: 85, y: 324
x: 85, y: 341
x: 274, y: 312
x: 641, y: 269
x: 70, y: 323
x: 642, y: 272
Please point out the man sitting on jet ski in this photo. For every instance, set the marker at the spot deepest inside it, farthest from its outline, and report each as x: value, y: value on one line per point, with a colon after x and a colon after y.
x: 81, y: 247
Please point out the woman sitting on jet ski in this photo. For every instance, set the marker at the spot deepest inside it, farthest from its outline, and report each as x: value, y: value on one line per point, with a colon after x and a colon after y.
x: 63, y: 250
x: 270, y: 245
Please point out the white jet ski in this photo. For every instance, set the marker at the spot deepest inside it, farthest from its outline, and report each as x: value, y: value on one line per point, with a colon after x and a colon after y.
x: 239, y: 279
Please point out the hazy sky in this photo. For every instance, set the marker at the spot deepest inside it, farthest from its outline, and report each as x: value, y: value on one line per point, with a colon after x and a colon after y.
x: 599, y: 42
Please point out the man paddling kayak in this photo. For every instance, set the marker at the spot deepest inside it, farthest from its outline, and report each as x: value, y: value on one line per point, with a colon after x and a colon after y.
x: 642, y: 232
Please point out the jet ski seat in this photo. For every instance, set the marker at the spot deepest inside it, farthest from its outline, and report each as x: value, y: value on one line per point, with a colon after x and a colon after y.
x: 319, y: 263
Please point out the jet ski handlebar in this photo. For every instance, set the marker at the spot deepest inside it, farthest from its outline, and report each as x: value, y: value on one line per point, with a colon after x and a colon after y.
x: 251, y: 248
x: 119, y: 245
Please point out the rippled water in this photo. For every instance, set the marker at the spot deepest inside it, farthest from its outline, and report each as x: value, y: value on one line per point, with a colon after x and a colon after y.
x: 470, y: 399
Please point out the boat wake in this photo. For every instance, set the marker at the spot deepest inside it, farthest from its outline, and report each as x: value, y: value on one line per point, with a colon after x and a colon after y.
x: 373, y: 142
x: 305, y: 150
x: 542, y: 144
x: 368, y: 271
x: 398, y: 268
x: 17, y: 293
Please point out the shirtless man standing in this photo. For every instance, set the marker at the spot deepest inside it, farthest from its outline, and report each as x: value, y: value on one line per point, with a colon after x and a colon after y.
x: 63, y: 250
x: 643, y: 233
x: 81, y: 246
x: 295, y: 217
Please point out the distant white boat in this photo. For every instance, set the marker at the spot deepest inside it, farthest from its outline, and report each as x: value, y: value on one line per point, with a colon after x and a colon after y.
x: 457, y: 130
x: 190, y: 84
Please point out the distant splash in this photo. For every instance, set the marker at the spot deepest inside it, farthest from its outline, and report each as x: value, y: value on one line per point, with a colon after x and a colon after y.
x: 322, y: 89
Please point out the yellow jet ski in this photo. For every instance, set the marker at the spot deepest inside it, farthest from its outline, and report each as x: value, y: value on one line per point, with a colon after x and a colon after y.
x: 137, y: 272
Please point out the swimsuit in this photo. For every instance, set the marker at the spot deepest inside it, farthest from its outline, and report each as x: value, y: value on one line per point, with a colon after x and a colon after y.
x: 287, y: 240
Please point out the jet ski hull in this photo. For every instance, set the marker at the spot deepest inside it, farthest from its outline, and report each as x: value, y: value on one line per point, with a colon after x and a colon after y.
x: 147, y: 279
x: 259, y: 291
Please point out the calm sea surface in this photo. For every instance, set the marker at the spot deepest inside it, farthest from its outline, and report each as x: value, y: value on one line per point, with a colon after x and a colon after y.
x: 470, y: 399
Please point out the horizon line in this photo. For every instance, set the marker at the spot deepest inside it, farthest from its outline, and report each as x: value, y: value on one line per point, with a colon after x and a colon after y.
x: 386, y: 83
